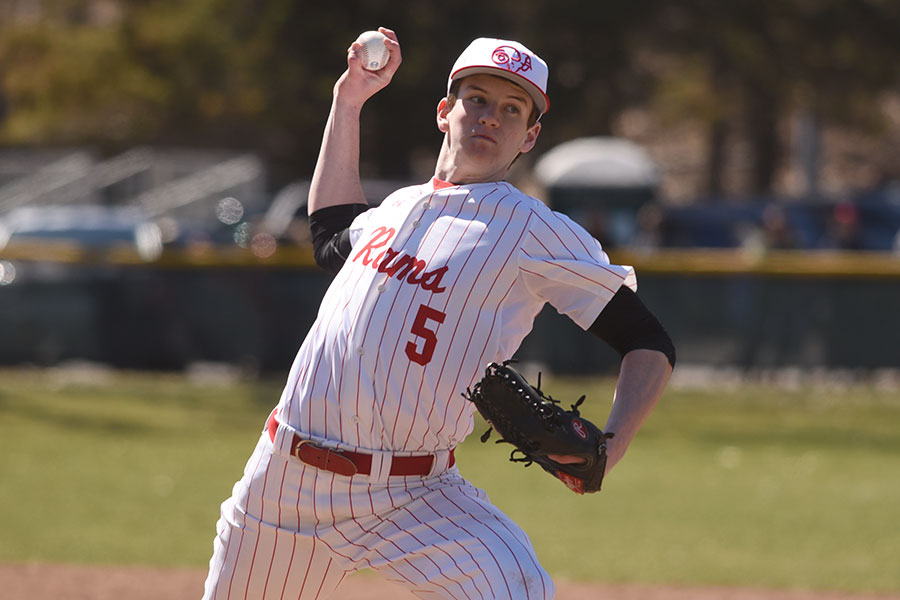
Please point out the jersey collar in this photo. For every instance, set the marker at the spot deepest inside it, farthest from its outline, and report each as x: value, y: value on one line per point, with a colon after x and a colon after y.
x: 440, y: 184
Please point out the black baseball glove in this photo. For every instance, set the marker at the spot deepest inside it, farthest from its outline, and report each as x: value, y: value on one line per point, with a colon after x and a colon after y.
x: 537, y: 426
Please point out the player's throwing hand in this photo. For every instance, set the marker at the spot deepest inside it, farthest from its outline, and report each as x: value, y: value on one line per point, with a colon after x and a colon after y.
x: 357, y: 84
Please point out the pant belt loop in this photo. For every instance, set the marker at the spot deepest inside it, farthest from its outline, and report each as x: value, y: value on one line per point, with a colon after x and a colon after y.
x: 381, y: 467
x: 440, y: 463
x: 279, y: 434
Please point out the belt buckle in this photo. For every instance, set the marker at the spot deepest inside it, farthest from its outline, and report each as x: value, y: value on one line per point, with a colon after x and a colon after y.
x: 295, y: 451
x: 325, y: 458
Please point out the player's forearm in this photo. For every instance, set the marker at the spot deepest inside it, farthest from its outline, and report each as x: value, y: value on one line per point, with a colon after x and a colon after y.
x: 336, y: 177
x: 642, y: 379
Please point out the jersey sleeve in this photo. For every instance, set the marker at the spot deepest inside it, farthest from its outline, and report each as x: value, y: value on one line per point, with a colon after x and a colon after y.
x: 561, y: 263
x: 358, y: 224
x: 393, y: 200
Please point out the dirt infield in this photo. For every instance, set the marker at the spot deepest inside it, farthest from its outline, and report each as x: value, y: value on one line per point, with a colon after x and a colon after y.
x: 66, y: 582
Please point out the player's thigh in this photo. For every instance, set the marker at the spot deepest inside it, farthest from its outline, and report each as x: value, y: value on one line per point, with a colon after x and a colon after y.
x: 451, y: 542
x: 254, y: 557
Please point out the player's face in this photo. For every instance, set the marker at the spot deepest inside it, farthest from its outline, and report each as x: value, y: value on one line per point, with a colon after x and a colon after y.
x: 487, y: 127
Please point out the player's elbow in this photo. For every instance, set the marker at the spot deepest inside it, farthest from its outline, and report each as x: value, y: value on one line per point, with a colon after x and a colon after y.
x: 328, y: 257
x: 657, y: 341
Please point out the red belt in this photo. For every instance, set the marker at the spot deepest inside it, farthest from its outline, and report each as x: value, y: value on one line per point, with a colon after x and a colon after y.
x: 344, y: 462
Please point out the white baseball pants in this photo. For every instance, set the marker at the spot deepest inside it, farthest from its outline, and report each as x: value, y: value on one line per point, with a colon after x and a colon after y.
x: 293, y: 531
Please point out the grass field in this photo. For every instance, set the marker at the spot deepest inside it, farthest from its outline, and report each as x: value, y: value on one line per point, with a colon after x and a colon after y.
x: 751, y: 485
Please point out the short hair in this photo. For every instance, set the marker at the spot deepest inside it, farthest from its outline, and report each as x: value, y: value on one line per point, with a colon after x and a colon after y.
x: 454, y: 90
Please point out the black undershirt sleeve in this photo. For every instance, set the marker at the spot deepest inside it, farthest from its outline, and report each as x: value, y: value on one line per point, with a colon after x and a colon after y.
x: 329, y: 228
x: 626, y: 324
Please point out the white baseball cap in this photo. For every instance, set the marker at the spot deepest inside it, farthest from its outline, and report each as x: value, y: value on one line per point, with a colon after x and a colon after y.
x: 507, y: 59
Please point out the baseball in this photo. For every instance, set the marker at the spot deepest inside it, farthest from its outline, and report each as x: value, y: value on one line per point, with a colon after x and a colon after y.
x: 374, y: 53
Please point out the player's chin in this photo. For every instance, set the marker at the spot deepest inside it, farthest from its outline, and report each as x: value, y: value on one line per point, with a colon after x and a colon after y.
x: 484, y: 151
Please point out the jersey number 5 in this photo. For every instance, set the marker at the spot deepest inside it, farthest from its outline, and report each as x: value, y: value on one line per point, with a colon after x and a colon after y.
x: 420, y: 329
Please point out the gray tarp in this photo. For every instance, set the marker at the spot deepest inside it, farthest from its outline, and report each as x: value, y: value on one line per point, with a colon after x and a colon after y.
x: 602, y: 162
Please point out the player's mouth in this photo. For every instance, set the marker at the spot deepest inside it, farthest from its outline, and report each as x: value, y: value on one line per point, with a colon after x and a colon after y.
x: 483, y: 136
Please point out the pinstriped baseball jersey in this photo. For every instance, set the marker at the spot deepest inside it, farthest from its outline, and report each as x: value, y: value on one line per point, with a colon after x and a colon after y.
x: 442, y: 280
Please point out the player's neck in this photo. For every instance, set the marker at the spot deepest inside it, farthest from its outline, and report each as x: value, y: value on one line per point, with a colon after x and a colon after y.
x: 451, y: 171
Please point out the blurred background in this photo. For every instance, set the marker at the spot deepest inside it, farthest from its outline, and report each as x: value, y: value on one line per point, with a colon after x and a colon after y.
x: 155, y: 159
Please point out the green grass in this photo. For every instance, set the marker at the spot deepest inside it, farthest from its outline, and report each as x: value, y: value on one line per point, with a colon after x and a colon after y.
x: 751, y: 486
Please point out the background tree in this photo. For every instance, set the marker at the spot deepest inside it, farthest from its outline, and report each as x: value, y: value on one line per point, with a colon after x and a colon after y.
x: 258, y: 75
x: 752, y: 64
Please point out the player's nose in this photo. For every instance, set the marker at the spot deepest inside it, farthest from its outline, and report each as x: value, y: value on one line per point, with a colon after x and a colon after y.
x: 489, y: 115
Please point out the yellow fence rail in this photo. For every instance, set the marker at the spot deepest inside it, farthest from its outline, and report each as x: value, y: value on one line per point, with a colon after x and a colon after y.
x: 694, y: 261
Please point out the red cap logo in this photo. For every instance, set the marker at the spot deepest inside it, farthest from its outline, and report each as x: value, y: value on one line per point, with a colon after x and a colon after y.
x: 511, y: 59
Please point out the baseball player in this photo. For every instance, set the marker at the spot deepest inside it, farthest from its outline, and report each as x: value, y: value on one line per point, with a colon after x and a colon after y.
x: 355, y: 467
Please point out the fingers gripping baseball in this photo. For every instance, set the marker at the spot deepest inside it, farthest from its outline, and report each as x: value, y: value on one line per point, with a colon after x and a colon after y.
x: 358, y: 82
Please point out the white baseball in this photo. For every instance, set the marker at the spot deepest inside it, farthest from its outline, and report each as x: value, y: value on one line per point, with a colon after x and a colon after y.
x: 374, y: 53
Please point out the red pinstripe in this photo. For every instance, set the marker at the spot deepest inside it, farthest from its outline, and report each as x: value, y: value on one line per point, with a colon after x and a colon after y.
x: 294, y: 547
x: 563, y: 244
x: 463, y: 311
x: 432, y: 561
x: 588, y: 279
x: 388, y: 561
x: 305, y: 371
x: 295, y: 406
x: 275, y: 545
x: 380, y: 345
x: 308, y: 426
x: 324, y: 577
x: 340, y: 384
x: 552, y: 232
x: 452, y: 287
x: 446, y: 539
x: 241, y: 541
x: 312, y: 555
x: 325, y: 431
x: 366, y: 330
x: 262, y: 515
x: 576, y: 234
x: 484, y: 348
x: 224, y: 558
x: 390, y: 365
x: 449, y: 292
x: 488, y: 295
x: 523, y: 546
x: 412, y: 300
x: 423, y: 563
x: 316, y: 517
x: 339, y: 387
x: 463, y: 548
x: 421, y: 543
x: 475, y: 537
x: 405, y: 553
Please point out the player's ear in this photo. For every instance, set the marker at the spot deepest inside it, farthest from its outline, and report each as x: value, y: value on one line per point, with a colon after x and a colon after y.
x: 443, y: 110
x: 531, y: 136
